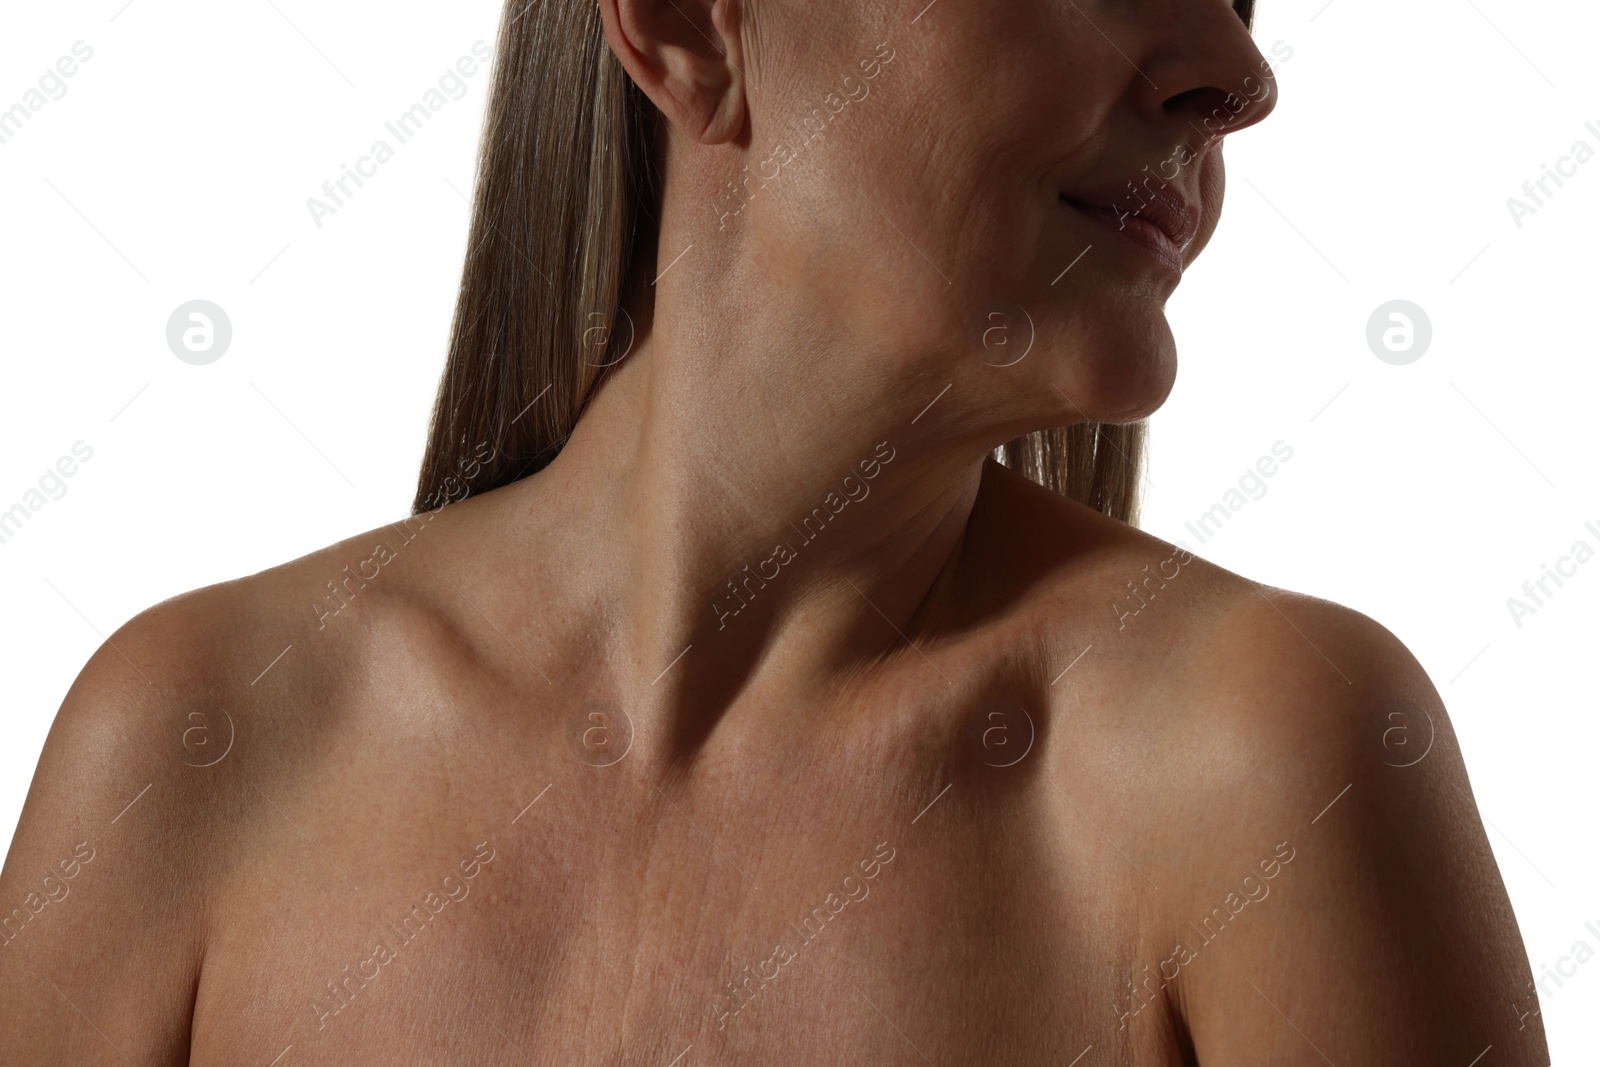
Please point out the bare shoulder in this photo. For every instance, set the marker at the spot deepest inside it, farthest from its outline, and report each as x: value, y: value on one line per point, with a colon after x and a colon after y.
x: 1281, y: 775
x: 170, y: 760
x: 1192, y: 638
x: 1299, y: 700
x: 1334, y: 869
x: 105, y: 878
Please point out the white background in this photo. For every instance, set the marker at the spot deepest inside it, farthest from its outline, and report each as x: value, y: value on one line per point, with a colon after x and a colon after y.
x: 177, y: 167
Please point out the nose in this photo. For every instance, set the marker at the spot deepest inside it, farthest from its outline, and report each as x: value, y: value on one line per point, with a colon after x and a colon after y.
x: 1203, y: 72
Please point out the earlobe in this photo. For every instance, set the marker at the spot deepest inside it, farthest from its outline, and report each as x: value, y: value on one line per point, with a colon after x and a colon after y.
x: 686, y: 56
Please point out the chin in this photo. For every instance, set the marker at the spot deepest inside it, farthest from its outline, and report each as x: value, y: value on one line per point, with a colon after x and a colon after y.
x: 1121, y: 369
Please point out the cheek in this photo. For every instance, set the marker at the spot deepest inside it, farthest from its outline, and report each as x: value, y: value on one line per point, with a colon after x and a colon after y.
x: 932, y: 200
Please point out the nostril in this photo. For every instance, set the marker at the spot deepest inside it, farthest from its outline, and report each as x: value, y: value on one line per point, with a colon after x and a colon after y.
x: 1215, y: 112
x: 1204, y: 99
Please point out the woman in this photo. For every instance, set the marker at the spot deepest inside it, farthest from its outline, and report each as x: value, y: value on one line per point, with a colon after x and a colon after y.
x: 737, y: 706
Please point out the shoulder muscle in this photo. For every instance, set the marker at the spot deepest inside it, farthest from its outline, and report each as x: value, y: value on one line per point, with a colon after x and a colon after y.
x: 1388, y: 937
x: 101, y: 893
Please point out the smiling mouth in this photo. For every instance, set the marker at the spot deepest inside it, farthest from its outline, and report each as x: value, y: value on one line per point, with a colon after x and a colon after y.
x: 1147, y: 235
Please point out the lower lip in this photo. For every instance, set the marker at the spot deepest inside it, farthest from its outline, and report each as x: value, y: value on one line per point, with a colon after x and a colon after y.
x: 1147, y: 235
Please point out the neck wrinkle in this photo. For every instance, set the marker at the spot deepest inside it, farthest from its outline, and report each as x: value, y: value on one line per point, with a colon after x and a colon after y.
x: 779, y: 572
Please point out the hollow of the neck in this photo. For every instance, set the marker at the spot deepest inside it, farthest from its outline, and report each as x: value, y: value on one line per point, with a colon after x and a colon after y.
x: 744, y: 538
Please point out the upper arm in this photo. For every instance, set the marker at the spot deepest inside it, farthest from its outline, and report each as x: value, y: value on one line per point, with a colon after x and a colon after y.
x: 102, y: 889
x: 1388, y: 938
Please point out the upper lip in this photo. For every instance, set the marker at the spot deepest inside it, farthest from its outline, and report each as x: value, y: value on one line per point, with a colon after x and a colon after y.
x: 1163, y: 207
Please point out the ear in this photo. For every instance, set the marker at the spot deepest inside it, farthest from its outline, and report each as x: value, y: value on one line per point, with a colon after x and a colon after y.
x: 686, y: 56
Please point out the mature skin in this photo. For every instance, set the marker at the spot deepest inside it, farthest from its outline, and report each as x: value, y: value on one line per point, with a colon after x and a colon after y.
x: 819, y: 844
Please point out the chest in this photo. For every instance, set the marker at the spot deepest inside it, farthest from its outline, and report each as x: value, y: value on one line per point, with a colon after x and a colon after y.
x: 936, y: 936
x: 910, y: 892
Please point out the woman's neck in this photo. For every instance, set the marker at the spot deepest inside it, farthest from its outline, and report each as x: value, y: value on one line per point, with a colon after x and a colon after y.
x: 746, y: 519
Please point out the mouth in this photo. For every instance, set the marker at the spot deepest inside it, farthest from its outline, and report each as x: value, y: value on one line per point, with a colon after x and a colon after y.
x: 1161, y: 222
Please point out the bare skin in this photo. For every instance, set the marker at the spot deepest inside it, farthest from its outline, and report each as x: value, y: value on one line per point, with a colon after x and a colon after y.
x: 944, y: 789
x: 1190, y: 747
